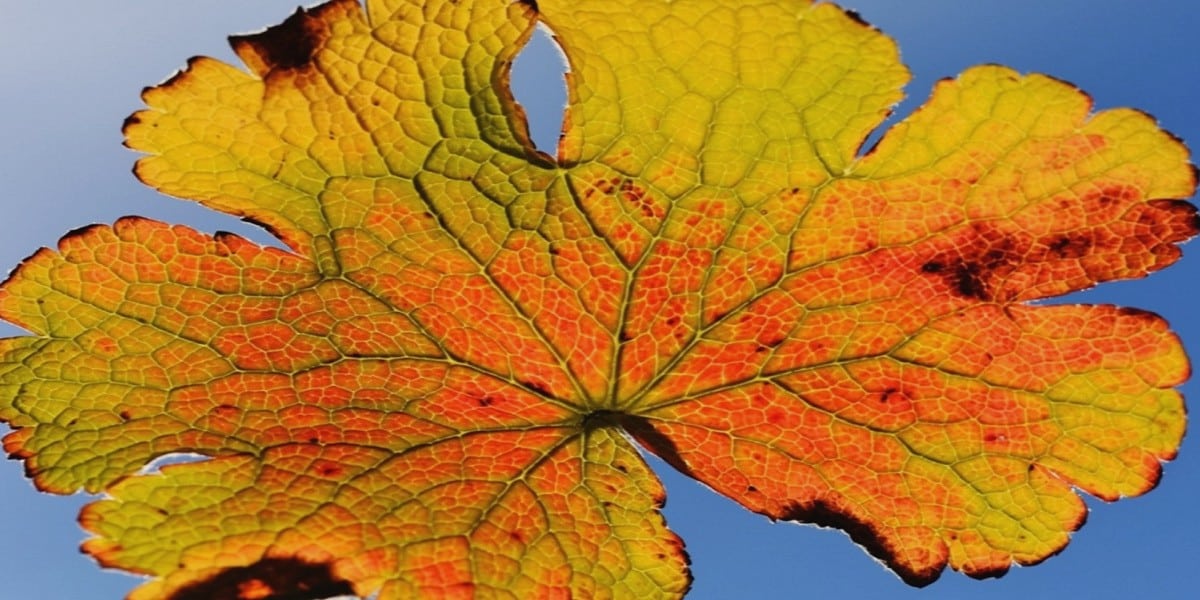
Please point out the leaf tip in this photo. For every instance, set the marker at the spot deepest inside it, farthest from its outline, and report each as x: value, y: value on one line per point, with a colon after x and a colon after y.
x: 130, y: 121
x: 80, y: 232
x: 292, y: 44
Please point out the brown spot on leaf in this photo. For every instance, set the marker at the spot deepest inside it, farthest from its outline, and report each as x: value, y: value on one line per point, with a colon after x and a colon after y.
x: 984, y: 255
x: 328, y: 470
x: 635, y: 195
x: 1070, y: 247
x: 598, y: 419
x: 292, y: 44
x: 606, y: 186
x: 887, y: 394
x: 536, y: 387
x: 1171, y: 220
x: 268, y: 579
x: 966, y: 279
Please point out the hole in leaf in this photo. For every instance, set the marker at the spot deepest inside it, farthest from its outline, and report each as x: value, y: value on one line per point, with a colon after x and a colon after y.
x: 174, y: 458
x: 538, y: 85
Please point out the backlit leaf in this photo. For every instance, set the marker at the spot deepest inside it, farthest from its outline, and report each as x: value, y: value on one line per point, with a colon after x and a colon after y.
x: 433, y: 391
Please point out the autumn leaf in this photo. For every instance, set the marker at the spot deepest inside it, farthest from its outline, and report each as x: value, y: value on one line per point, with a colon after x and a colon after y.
x: 435, y: 390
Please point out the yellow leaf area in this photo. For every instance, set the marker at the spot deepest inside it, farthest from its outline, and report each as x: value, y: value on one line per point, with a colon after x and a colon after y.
x: 434, y: 392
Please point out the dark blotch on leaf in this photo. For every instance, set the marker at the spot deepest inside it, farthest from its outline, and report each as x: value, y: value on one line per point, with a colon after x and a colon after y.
x: 968, y: 282
x: 986, y: 255
x: 887, y: 394
x: 1070, y: 247
x: 823, y: 514
x: 286, y: 578
x: 598, y: 419
x: 288, y: 46
x: 536, y: 387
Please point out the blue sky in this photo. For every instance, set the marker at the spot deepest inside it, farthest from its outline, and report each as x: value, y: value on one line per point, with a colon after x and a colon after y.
x: 70, y: 72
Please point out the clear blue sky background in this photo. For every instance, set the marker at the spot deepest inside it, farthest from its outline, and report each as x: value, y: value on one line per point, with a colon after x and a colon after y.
x: 71, y: 71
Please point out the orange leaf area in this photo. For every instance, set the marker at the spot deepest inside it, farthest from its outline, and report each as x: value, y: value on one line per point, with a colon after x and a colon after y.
x: 434, y: 391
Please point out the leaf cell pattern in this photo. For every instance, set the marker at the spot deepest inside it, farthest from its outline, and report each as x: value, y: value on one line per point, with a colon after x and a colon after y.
x: 433, y: 390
